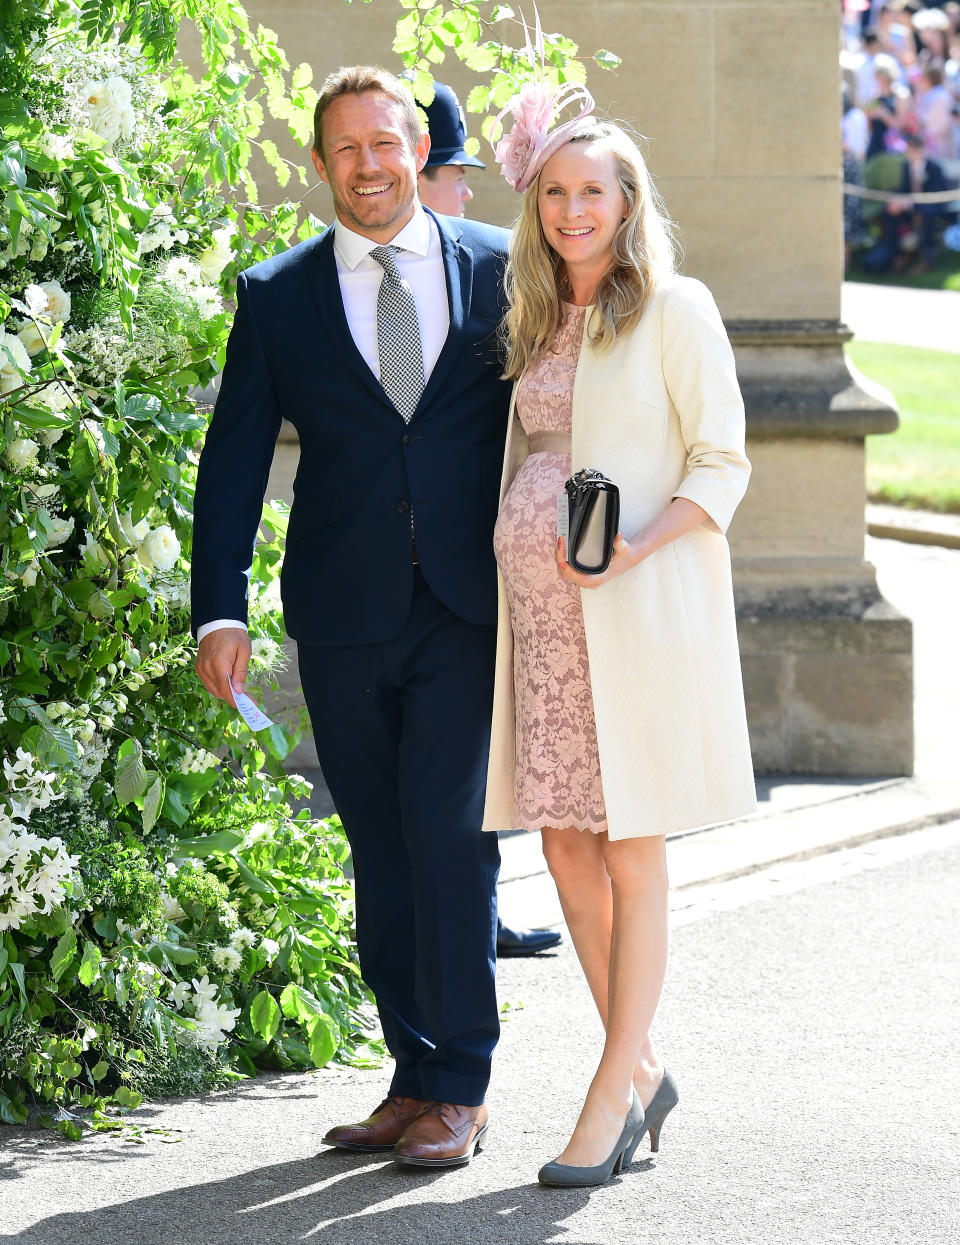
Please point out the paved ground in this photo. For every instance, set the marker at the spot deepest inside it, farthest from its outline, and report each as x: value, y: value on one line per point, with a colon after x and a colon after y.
x: 810, y: 1019
x: 907, y: 317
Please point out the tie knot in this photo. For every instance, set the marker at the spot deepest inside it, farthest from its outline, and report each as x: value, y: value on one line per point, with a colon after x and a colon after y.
x: 386, y: 257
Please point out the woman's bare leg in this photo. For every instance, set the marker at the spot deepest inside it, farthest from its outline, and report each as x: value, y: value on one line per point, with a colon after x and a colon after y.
x: 638, y: 955
x: 576, y: 862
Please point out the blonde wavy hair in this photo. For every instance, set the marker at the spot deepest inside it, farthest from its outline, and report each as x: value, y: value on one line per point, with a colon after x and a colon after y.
x: 643, y: 250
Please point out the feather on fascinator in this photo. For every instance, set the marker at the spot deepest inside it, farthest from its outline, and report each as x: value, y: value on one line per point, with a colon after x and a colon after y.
x: 531, y: 142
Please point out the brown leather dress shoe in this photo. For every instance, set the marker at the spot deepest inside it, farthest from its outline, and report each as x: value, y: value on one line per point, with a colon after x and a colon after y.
x: 443, y: 1135
x: 381, y: 1130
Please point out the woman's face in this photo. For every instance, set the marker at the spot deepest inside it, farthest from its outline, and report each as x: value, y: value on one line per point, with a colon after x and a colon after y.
x: 581, y: 204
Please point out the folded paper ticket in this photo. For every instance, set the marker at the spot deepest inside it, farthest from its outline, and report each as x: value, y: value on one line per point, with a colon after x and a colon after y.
x: 251, y: 713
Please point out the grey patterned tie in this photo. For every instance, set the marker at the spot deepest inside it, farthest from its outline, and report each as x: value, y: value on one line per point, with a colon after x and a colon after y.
x: 398, y: 335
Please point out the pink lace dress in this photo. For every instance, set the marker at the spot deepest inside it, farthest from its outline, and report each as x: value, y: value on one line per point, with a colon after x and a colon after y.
x: 558, y: 767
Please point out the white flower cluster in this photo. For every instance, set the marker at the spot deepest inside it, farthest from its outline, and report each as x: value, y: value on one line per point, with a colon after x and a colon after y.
x: 162, y: 231
x: 28, y: 787
x: 265, y: 598
x: 266, y: 653
x: 174, y: 590
x: 214, y: 1020
x: 105, y: 89
x: 197, y: 760
x: 34, y: 874
x: 185, y: 275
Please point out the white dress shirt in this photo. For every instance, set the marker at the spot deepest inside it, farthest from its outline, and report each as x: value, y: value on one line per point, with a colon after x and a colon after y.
x: 421, y: 264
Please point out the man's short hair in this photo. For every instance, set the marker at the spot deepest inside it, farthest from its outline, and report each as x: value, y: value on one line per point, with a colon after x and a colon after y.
x: 358, y: 80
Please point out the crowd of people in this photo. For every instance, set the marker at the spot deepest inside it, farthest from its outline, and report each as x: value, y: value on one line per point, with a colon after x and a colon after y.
x: 901, y: 130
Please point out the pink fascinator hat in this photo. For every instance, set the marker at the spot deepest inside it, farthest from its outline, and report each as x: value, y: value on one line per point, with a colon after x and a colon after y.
x: 523, y: 152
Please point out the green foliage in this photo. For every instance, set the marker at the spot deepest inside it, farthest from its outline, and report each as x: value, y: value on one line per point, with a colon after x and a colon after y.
x: 153, y: 879
x: 482, y: 35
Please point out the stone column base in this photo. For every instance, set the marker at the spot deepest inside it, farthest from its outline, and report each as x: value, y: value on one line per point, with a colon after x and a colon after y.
x: 830, y: 694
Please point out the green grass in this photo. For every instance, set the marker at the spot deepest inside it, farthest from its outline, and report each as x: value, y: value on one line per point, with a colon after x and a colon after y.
x: 919, y: 464
x: 944, y: 275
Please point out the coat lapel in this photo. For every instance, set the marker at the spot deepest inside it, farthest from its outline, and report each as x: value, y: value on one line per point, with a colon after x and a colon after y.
x: 458, y: 274
x: 325, y: 288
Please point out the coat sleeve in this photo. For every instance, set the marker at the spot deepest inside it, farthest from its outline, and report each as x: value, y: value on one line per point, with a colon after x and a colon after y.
x: 233, y: 472
x: 701, y: 378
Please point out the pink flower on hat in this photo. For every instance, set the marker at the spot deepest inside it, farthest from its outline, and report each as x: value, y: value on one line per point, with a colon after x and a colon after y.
x: 517, y: 152
x: 523, y: 152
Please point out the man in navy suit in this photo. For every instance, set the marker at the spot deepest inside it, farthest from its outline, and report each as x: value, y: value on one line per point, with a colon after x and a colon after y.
x: 389, y: 581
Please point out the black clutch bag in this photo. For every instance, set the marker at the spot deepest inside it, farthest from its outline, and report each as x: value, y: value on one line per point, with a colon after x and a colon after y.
x: 593, y: 504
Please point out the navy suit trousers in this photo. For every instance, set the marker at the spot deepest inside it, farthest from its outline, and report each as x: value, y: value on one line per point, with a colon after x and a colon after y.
x: 402, y: 733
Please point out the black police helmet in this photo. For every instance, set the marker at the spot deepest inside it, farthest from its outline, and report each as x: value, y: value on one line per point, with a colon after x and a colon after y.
x: 448, y: 130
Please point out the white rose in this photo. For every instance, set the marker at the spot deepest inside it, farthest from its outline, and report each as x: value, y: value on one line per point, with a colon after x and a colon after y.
x: 56, y: 397
x: 34, y: 339
x: 13, y: 356
x: 29, y: 576
x: 215, y: 258
x: 51, y: 436
x: 58, y: 301
x: 21, y: 453
x: 60, y: 532
x: 159, y: 549
x: 134, y: 532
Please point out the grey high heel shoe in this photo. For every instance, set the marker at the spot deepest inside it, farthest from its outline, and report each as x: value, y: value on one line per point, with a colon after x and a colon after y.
x: 563, y: 1176
x: 662, y: 1103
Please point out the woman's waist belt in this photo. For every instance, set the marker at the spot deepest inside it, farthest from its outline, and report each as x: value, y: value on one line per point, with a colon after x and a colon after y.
x: 549, y: 442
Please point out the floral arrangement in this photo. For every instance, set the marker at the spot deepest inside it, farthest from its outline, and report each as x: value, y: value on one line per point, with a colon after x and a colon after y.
x: 167, y: 920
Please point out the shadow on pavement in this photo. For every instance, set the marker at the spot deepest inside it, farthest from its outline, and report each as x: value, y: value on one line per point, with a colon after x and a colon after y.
x: 334, y: 1199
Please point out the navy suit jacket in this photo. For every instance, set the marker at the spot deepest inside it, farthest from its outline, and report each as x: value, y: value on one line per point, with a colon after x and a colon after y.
x: 347, y: 576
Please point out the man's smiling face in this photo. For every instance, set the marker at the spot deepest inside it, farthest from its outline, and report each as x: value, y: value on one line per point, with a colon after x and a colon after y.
x: 370, y: 164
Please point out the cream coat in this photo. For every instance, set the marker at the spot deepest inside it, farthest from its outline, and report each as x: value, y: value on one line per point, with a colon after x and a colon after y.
x: 661, y: 415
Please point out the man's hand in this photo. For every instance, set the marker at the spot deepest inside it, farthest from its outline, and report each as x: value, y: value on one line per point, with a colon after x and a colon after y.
x: 223, y: 656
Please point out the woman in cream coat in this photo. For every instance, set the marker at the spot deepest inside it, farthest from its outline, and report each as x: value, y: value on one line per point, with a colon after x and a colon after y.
x: 655, y: 406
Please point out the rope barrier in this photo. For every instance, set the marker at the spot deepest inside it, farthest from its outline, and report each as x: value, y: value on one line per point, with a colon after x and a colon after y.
x: 886, y: 196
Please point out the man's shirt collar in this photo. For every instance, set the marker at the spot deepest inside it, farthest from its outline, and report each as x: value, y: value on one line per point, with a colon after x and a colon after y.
x: 352, y: 247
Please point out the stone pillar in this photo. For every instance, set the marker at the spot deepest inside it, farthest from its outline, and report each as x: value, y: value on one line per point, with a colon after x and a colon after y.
x: 740, y: 103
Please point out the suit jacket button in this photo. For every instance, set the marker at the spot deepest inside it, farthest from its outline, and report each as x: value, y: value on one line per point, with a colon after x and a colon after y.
x: 403, y: 506
x: 408, y: 440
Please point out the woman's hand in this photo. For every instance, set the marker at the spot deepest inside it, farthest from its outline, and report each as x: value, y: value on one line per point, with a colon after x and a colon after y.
x: 680, y: 517
x: 623, y: 560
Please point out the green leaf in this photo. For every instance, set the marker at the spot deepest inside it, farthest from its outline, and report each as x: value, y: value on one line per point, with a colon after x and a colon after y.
x: 175, y: 808
x: 124, y: 1096
x: 299, y: 1004
x: 323, y: 1041
x: 63, y: 954
x: 12, y: 1112
x: 607, y: 60
x: 90, y: 964
x: 208, y: 844
x: 152, y: 803
x: 131, y: 775
x: 265, y: 1015
x: 100, y: 1070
